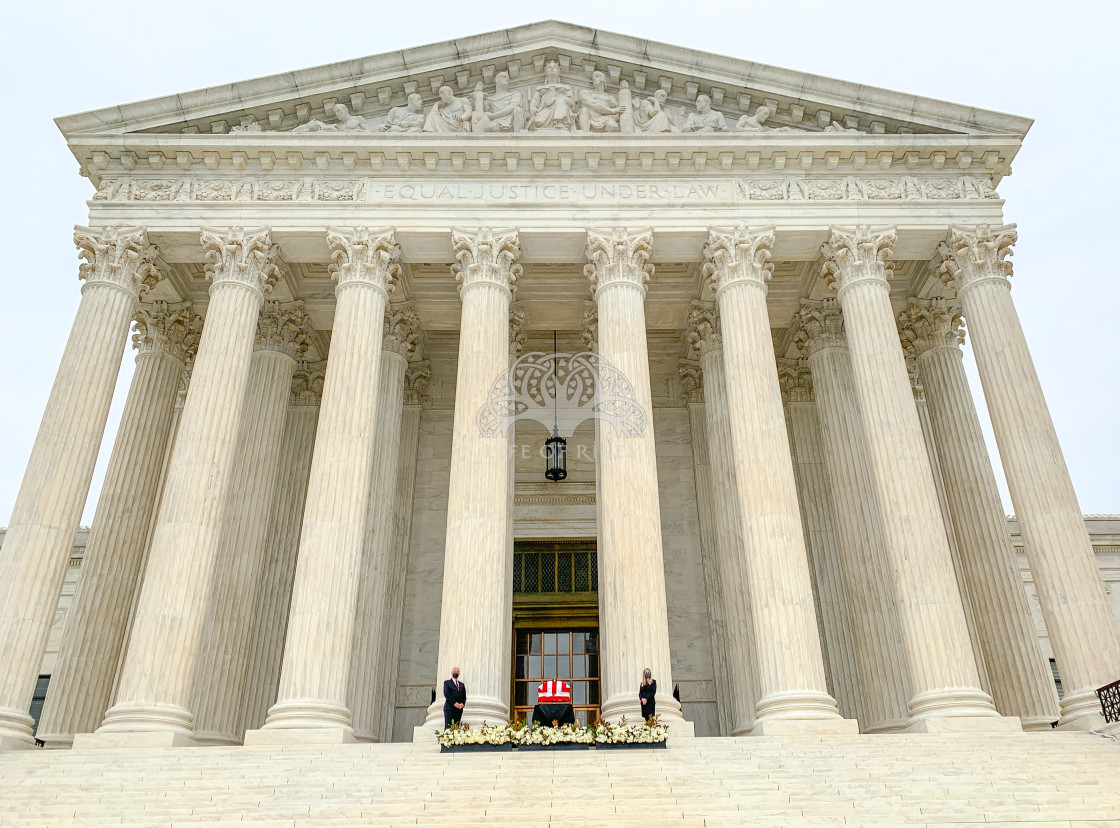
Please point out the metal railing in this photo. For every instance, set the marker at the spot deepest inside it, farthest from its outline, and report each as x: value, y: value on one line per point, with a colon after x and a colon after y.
x: 1110, y: 701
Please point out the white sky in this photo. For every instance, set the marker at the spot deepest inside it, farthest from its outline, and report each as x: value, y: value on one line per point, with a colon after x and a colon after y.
x: 1055, y: 62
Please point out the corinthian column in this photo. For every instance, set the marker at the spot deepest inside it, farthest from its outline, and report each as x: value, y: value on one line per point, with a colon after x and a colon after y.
x: 475, y: 616
x: 793, y: 695
x: 283, y: 336
x: 166, y: 337
x: 820, y: 536
x: 692, y: 381
x: 49, y: 505
x: 1019, y: 676
x: 153, y: 692
x: 367, y: 667
x: 706, y: 341
x: 943, y: 677
x: 312, y: 702
x: 282, y: 543
x: 880, y: 656
x: 1083, y: 632
x: 634, y: 626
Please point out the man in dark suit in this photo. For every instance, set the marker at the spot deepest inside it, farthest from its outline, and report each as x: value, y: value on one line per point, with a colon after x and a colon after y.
x: 454, y: 699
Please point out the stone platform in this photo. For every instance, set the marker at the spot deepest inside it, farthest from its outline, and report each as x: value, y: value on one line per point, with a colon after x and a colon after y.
x: 1037, y: 780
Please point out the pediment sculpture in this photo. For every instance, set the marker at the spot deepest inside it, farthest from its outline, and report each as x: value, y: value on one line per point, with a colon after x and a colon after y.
x: 552, y: 107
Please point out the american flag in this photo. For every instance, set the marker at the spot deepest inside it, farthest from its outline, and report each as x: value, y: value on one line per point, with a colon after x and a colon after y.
x: 553, y: 692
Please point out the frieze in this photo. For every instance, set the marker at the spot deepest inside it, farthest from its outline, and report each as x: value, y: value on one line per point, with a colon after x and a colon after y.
x: 790, y: 188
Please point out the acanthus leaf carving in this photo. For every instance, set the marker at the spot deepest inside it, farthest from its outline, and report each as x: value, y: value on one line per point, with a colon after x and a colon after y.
x: 618, y: 255
x: 738, y: 256
x: 858, y: 254
x: 518, y: 328
x: 403, y: 334
x: 486, y: 257
x: 284, y: 328
x: 307, y: 383
x: 817, y: 325
x: 930, y: 323
x: 976, y: 254
x: 362, y: 255
x: 702, y: 331
x: 240, y: 256
x: 118, y: 256
x: 416, y: 378
x: 171, y: 329
x: 692, y: 380
x: 796, y: 380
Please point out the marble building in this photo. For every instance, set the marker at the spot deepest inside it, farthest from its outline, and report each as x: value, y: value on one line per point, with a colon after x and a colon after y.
x: 345, y: 285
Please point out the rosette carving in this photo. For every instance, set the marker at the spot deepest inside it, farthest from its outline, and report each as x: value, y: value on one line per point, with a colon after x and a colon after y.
x: 738, y: 256
x: 486, y: 257
x: 618, y: 256
x: 976, y: 254
x: 246, y: 257
x: 363, y: 256
x: 119, y: 256
x: 857, y: 254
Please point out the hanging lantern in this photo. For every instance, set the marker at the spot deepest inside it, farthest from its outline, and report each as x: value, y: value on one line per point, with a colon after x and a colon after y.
x: 555, y: 447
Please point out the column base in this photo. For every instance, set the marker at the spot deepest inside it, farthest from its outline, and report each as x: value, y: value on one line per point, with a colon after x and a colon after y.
x: 300, y: 736
x: 215, y: 739
x: 1081, y: 710
x: 9, y: 743
x: 110, y: 740
x: 15, y: 730
x: 805, y: 727
x: 1040, y: 725
x: 966, y: 724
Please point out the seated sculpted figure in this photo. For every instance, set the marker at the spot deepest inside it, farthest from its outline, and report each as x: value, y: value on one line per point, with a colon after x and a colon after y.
x: 836, y: 126
x: 408, y: 118
x: 754, y: 123
x: 705, y: 119
x: 346, y: 122
x: 652, y: 117
x: 552, y: 106
x: 504, y: 111
x: 598, y: 108
x: 448, y: 114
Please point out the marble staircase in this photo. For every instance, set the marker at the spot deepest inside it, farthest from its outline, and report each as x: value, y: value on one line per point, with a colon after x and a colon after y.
x: 1040, y: 780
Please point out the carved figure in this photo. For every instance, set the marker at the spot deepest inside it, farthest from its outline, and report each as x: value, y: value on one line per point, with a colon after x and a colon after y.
x: 652, y: 117
x: 552, y: 106
x: 346, y: 122
x: 754, y: 123
x: 449, y: 114
x: 836, y: 126
x: 598, y: 108
x: 504, y: 111
x: 409, y: 118
x: 705, y: 119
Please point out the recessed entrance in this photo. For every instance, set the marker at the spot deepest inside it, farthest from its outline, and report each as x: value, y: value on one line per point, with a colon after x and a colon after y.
x: 556, y: 623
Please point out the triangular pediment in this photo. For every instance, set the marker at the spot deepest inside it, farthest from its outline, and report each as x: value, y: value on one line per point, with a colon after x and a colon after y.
x: 551, y: 69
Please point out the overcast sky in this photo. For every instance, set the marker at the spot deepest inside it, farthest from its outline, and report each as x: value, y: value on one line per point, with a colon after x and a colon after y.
x: 1054, y: 62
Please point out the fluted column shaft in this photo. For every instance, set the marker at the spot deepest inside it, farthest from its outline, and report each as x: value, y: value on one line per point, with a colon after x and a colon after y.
x: 742, y: 667
x: 1082, y: 630
x: 221, y: 675
x: 943, y: 677
x: 775, y: 570
x: 49, y: 504
x: 417, y: 378
x: 824, y: 556
x: 367, y: 660
x: 476, y: 611
x: 633, y: 615
x: 1019, y: 677
x: 282, y: 544
x: 154, y: 690
x: 316, y: 667
x: 864, y: 561
x: 96, y: 623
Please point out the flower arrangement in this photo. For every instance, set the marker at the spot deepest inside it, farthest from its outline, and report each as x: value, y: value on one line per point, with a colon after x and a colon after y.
x: 521, y: 734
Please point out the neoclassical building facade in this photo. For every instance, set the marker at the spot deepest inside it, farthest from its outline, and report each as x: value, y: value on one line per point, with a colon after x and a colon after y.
x: 364, y: 296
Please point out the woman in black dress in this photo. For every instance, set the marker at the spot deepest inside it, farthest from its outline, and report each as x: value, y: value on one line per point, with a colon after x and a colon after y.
x: 647, y: 694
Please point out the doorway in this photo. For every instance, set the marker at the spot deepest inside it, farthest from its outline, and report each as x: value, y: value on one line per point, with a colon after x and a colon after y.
x: 556, y: 623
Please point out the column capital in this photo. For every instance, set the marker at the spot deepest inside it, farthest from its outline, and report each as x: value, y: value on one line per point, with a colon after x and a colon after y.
x: 518, y: 328
x: 402, y: 330
x: 364, y: 256
x: 796, y: 380
x: 239, y: 256
x: 819, y: 325
x: 857, y: 254
x: 927, y: 324
x: 590, y: 327
x: 284, y: 327
x: 976, y: 254
x: 485, y: 256
x: 618, y: 256
x: 170, y: 329
x: 692, y: 380
x: 417, y: 375
x: 117, y: 256
x: 702, y: 330
x: 738, y: 256
x: 915, y: 377
x: 307, y: 384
